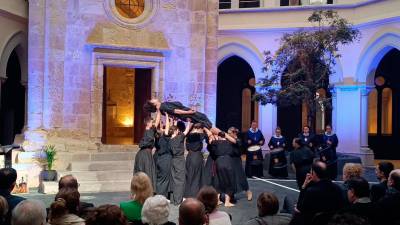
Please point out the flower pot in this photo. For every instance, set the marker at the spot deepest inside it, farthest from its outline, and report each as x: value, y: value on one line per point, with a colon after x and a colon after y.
x: 49, y: 175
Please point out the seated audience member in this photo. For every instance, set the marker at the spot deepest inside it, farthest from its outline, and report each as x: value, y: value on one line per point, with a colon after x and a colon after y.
x: 155, y: 211
x: 3, y: 210
x: 268, y: 207
x: 69, y: 181
x: 141, y: 189
x: 350, y: 170
x: 320, y: 197
x: 65, y: 207
x: 192, y: 212
x: 388, y: 207
x: 358, y: 195
x: 348, y: 219
x: 209, y: 197
x: 382, y: 172
x: 106, y: 215
x: 8, y: 178
x: 29, y: 212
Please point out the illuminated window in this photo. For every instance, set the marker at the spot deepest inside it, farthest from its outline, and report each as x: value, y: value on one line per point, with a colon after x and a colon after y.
x: 386, y: 121
x: 130, y: 8
x: 373, y: 112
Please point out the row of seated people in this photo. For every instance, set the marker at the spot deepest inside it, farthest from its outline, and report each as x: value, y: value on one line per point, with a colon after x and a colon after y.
x: 320, y: 202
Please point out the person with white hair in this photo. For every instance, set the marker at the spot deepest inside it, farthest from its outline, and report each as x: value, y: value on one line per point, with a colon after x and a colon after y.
x: 29, y: 212
x: 155, y: 211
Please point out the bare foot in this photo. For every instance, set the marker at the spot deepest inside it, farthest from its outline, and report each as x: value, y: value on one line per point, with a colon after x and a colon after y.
x: 229, y: 205
x: 249, y: 195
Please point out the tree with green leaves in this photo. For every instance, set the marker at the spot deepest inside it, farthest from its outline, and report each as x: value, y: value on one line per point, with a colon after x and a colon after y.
x: 304, y: 62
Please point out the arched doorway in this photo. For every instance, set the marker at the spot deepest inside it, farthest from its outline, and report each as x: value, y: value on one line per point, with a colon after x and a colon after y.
x: 384, y: 108
x: 12, y: 112
x: 235, y: 88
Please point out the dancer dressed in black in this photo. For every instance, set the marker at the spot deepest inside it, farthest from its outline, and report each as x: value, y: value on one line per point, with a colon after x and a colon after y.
x: 224, y: 169
x: 144, y: 161
x: 301, y: 159
x: 163, y: 158
x: 240, y: 175
x: 178, y: 110
x: 194, y: 161
x: 278, y: 161
x: 177, y: 147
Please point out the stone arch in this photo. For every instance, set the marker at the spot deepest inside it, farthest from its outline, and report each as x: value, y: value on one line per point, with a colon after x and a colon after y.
x: 244, y: 50
x: 17, y: 42
x: 372, y: 54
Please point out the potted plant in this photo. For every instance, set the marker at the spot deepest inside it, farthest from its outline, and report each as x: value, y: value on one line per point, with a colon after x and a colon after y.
x: 49, y: 174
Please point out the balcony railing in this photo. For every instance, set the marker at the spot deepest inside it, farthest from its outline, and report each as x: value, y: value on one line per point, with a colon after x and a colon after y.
x: 239, y: 4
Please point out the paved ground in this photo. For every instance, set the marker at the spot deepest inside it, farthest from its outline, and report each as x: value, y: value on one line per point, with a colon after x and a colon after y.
x: 242, y: 212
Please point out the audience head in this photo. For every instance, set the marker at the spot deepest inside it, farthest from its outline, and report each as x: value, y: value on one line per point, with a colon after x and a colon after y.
x: 209, y: 197
x: 8, y: 177
x: 319, y: 171
x: 351, y: 170
x: 394, y: 179
x: 68, y: 181
x: 383, y: 170
x: 3, y: 209
x: 297, y: 143
x: 141, y: 187
x: 348, y: 219
x: 267, y: 204
x: 106, y: 215
x: 357, y: 188
x: 192, y: 212
x: 254, y: 124
x: 155, y: 210
x: 66, y: 201
x: 29, y: 212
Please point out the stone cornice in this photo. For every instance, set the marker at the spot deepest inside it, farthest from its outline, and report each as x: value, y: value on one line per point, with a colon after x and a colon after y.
x: 111, y: 36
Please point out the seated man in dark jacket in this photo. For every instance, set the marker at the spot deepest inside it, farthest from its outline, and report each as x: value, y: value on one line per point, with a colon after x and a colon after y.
x: 388, y: 208
x: 358, y: 196
x: 382, y: 171
x: 319, y: 196
x: 8, y: 178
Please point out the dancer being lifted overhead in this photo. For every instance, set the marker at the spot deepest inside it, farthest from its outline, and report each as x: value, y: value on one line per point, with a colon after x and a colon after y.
x: 177, y: 109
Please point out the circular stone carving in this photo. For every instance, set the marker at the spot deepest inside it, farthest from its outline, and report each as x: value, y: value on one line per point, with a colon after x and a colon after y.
x: 139, y: 17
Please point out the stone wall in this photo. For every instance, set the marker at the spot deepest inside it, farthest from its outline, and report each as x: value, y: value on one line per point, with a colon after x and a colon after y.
x: 62, y: 80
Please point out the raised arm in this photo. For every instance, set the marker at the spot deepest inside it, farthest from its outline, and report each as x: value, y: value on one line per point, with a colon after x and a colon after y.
x: 187, y: 129
x: 209, y: 134
x: 230, y: 139
x: 166, y: 130
x: 184, y: 112
x: 158, y: 118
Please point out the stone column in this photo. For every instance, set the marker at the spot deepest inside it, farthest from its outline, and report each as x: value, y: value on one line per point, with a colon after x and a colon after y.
x: 334, y: 109
x: 36, y: 62
x: 211, y: 54
x: 367, y: 153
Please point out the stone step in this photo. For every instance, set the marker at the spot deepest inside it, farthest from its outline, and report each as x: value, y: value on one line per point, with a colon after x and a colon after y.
x: 104, y: 186
x: 89, y: 186
x: 101, y: 165
x: 83, y: 176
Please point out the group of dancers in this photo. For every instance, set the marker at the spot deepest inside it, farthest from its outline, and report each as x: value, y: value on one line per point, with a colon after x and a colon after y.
x: 162, y: 148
